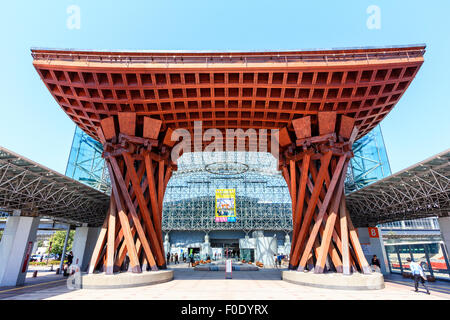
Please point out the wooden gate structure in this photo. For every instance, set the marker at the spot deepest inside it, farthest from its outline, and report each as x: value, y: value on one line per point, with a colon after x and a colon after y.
x: 320, y: 101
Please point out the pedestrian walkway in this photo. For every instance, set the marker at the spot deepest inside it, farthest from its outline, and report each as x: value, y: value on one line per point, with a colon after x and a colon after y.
x: 245, y: 285
x: 438, y: 286
x: 44, y: 281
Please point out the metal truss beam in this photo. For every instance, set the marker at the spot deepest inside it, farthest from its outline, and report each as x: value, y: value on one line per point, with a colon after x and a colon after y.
x: 38, y: 190
x: 422, y: 190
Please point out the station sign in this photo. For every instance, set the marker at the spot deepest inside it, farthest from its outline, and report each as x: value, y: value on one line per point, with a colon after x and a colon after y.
x: 373, y: 233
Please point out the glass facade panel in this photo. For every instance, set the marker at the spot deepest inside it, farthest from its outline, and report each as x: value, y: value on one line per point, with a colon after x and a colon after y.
x: 438, y: 260
x: 429, y: 255
x: 262, y: 197
x: 404, y: 253
x: 394, y: 262
x: 86, y: 163
x: 370, y: 162
x: 430, y: 223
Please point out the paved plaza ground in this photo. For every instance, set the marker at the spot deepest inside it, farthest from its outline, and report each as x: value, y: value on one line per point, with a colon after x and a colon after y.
x: 203, y: 285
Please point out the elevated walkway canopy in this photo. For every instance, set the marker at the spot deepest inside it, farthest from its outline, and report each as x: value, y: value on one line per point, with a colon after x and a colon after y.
x: 39, y: 191
x: 422, y: 190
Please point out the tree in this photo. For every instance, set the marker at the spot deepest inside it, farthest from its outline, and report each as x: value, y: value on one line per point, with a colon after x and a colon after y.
x: 57, y: 241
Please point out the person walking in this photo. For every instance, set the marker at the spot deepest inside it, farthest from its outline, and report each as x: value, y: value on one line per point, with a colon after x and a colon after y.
x: 418, y: 275
x: 68, y: 263
x: 191, y: 260
x: 69, y: 258
x: 168, y: 258
x: 176, y: 258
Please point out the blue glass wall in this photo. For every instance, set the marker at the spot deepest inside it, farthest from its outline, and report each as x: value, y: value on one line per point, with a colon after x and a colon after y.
x: 370, y: 162
x: 262, y: 197
x: 86, y: 163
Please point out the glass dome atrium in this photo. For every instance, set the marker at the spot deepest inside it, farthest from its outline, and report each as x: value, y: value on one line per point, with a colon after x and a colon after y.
x: 262, y: 197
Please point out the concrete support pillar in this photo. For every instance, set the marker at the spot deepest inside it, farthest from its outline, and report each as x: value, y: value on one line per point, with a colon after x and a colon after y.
x: 166, y: 245
x: 287, y: 244
x: 83, y: 245
x: 16, y: 248
x: 63, y: 254
x: 266, y: 248
x: 372, y: 244
x: 444, y: 225
x: 206, y: 248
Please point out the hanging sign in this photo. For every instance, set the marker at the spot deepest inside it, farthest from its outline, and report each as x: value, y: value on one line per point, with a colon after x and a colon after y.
x: 225, y: 205
x: 373, y: 232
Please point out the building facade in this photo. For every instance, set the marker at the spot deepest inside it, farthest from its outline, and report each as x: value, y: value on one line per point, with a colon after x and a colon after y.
x: 262, y: 203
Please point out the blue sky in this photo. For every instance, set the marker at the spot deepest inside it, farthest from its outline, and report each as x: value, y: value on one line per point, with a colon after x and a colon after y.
x: 32, y: 124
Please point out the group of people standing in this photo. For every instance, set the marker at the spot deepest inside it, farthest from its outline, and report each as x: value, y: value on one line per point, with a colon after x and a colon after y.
x: 174, y: 258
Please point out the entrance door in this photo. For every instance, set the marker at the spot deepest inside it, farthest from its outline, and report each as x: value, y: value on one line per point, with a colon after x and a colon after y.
x: 230, y: 247
x: 195, y: 252
x: 247, y: 255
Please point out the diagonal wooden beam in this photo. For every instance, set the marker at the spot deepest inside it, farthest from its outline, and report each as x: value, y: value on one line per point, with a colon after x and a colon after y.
x: 131, y: 209
x: 161, y: 167
x: 344, y: 237
x: 310, y: 210
x: 332, y: 251
x: 153, y: 194
x: 331, y: 220
x: 156, y: 213
x: 120, y: 257
x: 319, y: 205
x: 301, y: 197
x: 145, y: 214
x: 293, y: 187
x: 96, y: 255
x: 111, y: 235
x: 132, y: 253
x: 365, y: 268
x: 329, y: 195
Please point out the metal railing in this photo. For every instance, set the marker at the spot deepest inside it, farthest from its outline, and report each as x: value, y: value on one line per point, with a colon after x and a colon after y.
x: 244, y: 58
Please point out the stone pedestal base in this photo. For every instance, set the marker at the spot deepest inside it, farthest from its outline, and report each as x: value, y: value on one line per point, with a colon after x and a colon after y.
x: 124, y: 280
x: 356, y: 281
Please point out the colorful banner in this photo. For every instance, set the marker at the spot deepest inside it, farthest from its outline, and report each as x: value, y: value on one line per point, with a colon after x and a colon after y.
x: 225, y: 205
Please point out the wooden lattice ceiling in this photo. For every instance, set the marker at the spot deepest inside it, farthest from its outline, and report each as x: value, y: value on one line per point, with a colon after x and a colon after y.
x: 229, y: 89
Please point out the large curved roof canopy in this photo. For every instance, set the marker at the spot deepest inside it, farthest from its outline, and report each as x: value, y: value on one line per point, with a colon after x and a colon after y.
x: 229, y: 89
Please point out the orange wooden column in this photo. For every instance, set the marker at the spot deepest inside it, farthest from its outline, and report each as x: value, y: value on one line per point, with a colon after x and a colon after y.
x: 139, y: 168
x: 315, y: 171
